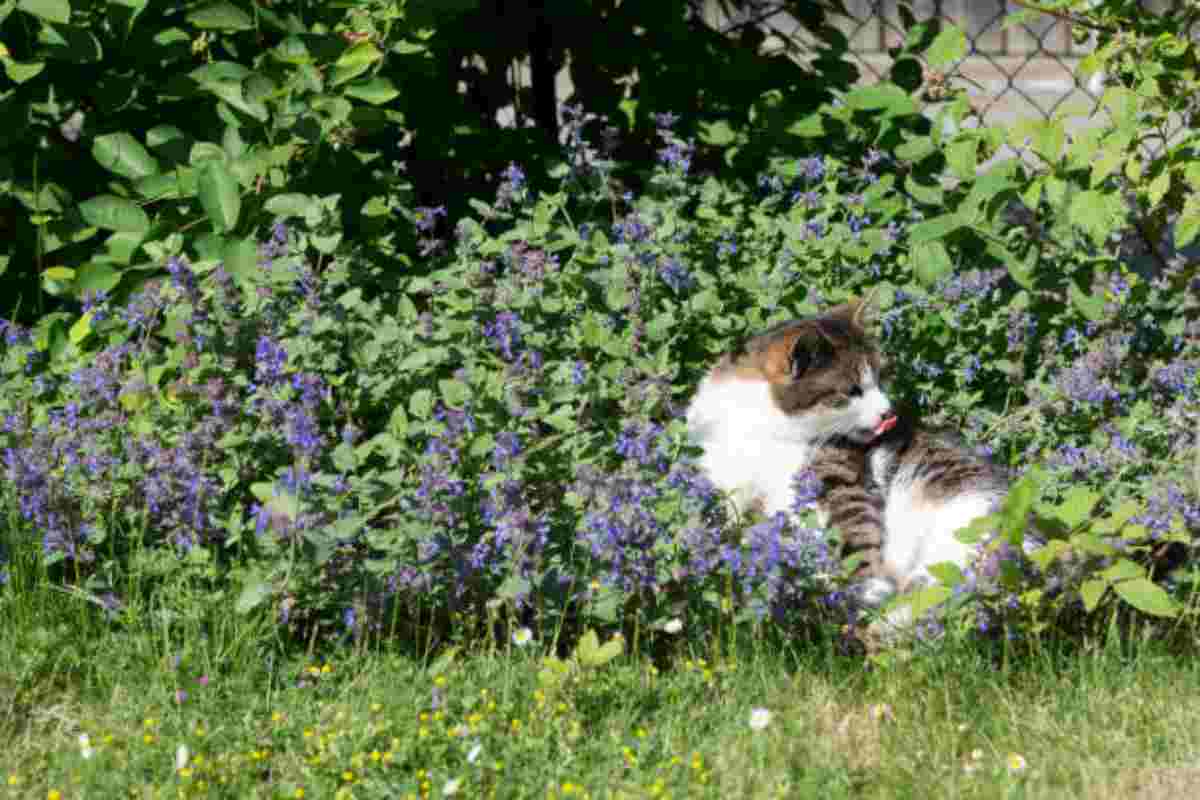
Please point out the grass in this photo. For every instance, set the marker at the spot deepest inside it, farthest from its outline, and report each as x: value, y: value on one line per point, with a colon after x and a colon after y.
x: 177, y: 708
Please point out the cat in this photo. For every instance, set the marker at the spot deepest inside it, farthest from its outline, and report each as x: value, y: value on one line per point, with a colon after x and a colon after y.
x: 806, y: 395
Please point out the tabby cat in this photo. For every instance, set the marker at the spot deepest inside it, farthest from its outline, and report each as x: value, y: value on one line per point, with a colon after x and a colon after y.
x: 806, y: 394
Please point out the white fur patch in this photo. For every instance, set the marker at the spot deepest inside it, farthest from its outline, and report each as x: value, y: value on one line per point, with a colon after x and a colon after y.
x: 920, y: 531
x: 751, y: 448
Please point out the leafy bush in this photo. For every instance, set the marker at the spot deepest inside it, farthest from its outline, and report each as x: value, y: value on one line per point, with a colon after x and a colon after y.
x: 498, y: 435
x: 141, y: 130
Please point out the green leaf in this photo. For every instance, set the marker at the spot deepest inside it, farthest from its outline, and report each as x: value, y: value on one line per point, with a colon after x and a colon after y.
x: 930, y: 262
x: 96, y: 277
x: 221, y: 16
x: 219, y: 195
x: 1188, y: 224
x: 375, y: 91
x: 1096, y: 213
x: 947, y: 573
x: 1017, y: 505
x: 590, y: 653
x: 49, y: 10
x: 1090, y: 307
x: 178, y: 183
x: 1076, y: 506
x: 254, y: 591
x: 19, y: 73
x: 124, y: 155
x: 947, y: 47
x: 114, y: 214
x: 962, y: 155
x: 354, y: 62
x: 1115, y: 520
x: 915, y: 149
x: 1157, y: 189
x: 58, y: 280
x: 936, y: 228
x: 420, y: 405
x: 240, y: 257
x: 455, y: 393
x: 1147, y: 597
x: 929, y: 195
x: 926, y: 599
x: 291, y: 204
x: 81, y: 329
x: 1091, y: 591
x: 882, y: 96
x: 1122, y: 570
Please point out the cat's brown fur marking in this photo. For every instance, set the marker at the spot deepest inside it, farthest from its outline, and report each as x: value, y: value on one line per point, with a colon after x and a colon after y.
x: 835, y: 344
x: 853, y: 510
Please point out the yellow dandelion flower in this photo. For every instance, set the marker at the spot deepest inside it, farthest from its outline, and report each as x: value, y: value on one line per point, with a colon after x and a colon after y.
x: 54, y: 794
x: 299, y: 793
x: 1016, y: 762
x: 276, y: 716
x: 309, y: 733
x: 13, y: 780
x: 439, y: 681
x: 148, y: 739
x: 376, y: 707
x: 326, y: 668
x: 348, y: 776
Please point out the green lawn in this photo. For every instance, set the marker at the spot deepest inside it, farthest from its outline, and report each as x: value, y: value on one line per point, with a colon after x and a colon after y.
x: 229, y: 721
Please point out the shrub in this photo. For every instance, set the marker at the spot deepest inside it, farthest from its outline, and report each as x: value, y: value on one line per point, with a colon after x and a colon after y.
x: 498, y: 435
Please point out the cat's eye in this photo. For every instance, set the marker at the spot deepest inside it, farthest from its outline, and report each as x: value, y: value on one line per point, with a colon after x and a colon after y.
x: 855, y: 391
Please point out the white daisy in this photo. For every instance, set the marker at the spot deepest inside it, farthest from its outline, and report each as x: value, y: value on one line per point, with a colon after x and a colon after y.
x: 759, y: 718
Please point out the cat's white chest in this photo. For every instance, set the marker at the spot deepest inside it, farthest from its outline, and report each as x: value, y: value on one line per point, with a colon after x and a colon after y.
x: 751, y: 449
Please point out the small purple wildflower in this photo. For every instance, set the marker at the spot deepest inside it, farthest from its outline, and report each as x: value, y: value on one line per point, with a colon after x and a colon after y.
x: 426, y: 219
x: 675, y: 275
x: 505, y: 333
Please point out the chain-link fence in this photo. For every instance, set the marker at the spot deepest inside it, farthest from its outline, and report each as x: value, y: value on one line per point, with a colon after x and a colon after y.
x: 1012, y: 71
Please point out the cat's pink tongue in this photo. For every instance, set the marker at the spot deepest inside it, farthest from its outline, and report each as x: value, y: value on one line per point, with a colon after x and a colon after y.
x: 886, y: 424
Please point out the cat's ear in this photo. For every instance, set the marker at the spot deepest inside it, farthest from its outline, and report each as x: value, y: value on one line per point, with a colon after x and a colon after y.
x: 860, y: 312
x: 809, y: 353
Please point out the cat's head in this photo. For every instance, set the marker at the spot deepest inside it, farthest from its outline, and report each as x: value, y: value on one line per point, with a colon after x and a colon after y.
x: 822, y: 375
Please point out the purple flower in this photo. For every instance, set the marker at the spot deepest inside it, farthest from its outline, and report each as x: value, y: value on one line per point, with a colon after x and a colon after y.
x: 270, y: 361
x: 508, y: 447
x: 1083, y: 386
x: 675, y: 275
x: 514, y: 177
x: 640, y: 442
x: 665, y: 120
x: 811, y: 169
x: 427, y: 217
x: 505, y: 333
x: 808, y: 489
x: 677, y: 155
